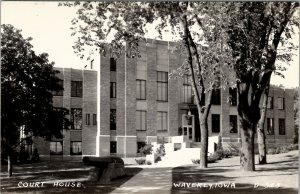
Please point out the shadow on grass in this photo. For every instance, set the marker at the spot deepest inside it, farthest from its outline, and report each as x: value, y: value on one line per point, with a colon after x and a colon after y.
x: 207, y: 181
x: 239, y: 189
x: 281, y: 168
x: 59, y: 171
x: 290, y: 165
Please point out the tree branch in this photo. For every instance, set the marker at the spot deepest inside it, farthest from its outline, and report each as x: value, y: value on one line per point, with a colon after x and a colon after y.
x: 190, y: 59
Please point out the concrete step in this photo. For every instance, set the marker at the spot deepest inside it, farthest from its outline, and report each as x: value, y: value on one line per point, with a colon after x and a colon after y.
x: 195, y: 144
x: 180, y: 157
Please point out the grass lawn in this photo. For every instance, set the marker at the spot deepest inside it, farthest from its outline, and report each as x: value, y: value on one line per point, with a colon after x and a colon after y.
x: 280, y: 175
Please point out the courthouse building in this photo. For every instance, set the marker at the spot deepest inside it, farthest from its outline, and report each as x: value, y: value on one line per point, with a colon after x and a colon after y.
x: 124, y: 104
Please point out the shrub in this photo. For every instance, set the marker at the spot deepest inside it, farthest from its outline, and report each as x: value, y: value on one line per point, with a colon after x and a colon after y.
x: 282, y: 149
x: 292, y: 147
x: 149, y: 162
x: 219, y: 150
x: 23, y: 155
x: 211, y: 159
x: 196, y: 161
x: 271, y: 151
x: 146, y: 150
x: 160, y: 152
x: 140, y: 161
x: 229, y: 152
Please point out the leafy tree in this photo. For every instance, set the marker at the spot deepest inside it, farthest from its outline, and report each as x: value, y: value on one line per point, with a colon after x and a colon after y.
x: 128, y: 22
x: 27, y: 80
x: 249, y: 31
x: 255, y: 30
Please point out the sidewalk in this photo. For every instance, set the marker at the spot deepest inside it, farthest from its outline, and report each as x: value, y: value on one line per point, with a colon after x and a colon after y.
x: 149, y: 180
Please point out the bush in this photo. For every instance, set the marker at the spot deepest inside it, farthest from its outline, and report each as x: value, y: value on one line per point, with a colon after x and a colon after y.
x: 13, y: 159
x: 146, y: 150
x: 149, y: 162
x: 197, y: 161
x: 23, y: 155
x: 140, y: 161
x: 210, y: 159
x: 219, y: 150
x: 271, y: 151
x: 228, y: 153
x: 160, y: 152
x: 292, y: 147
x: 282, y: 149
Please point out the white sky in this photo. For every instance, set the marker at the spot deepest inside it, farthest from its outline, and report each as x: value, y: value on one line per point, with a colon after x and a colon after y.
x: 49, y: 26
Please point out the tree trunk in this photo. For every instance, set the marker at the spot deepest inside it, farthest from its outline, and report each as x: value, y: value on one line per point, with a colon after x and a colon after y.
x: 262, y: 149
x: 261, y: 137
x: 247, y: 159
x: 9, y: 166
x: 204, y: 142
x: 249, y: 116
x: 203, y: 116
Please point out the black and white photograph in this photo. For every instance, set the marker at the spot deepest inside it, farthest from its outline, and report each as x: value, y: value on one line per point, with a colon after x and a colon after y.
x: 145, y: 97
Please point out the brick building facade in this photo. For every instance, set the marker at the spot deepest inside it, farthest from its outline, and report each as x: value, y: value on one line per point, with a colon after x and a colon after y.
x: 136, y: 103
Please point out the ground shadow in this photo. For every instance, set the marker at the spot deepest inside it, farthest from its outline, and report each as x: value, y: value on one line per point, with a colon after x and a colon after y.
x: 50, y: 172
x: 239, y: 189
x: 191, y: 179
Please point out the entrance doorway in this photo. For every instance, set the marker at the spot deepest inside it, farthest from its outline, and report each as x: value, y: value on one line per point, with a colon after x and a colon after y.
x: 188, y: 127
x: 188, y: 133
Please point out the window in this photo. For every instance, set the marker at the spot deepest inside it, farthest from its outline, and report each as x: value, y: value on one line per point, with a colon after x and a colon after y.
x: 215, y: 123
x: 280, y: 102
x: 113, y: 64
x: 94, y: 119
x: 59, y: 92
x: 76, y: 148
x: 216, y: 97
x: 270, y: 102
x: 281, y: 124
x: 87, y: 119
x: 270, y: 126
x: 233, y: 96
x: 162, y: 86
x: 162, y: 121
x: 141, y: 89
x: 140, y: 145
x: 113, y: 91
x: 113, y: 116
x: 76, y: 88
x: 76, y: 118
x: 141, y: 120
x: 59, y: 117
x: 187, y: 90
x: 233, y: 124
x: 56, y: 148
x: 113, y: 147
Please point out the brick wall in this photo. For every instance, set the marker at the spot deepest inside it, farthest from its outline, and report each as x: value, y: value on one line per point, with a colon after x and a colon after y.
x: 89, y: 106
x: 151, y: 90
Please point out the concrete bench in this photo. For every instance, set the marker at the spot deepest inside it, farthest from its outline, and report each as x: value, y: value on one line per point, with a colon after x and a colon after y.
x: 105, y: 168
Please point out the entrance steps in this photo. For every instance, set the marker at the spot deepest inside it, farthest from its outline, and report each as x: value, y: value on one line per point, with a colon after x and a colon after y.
x: 195, y: 144
x: 181, y: 152
x: 180, y: 157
